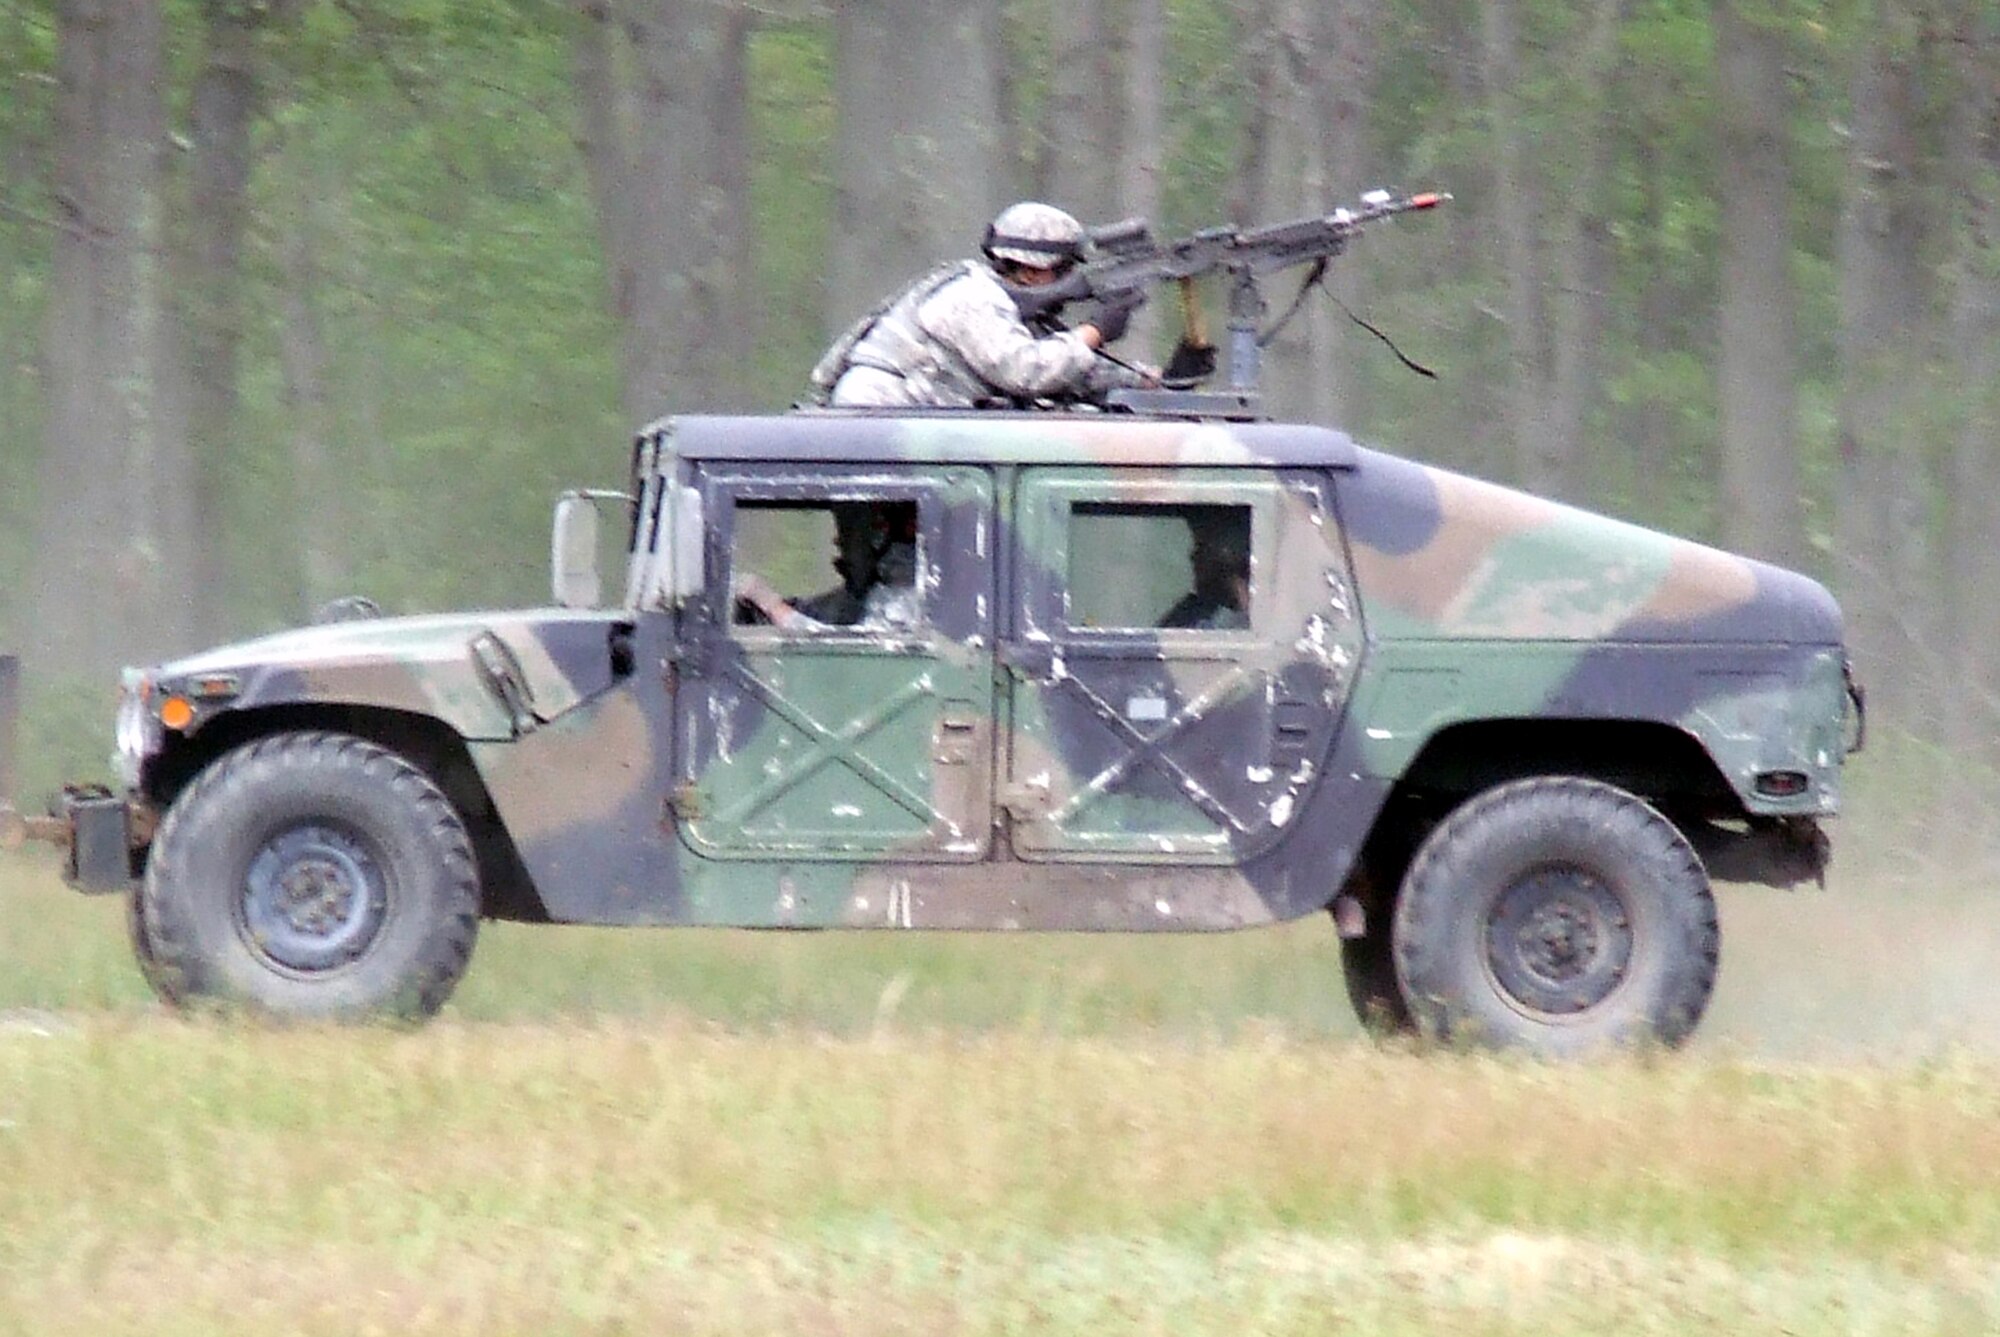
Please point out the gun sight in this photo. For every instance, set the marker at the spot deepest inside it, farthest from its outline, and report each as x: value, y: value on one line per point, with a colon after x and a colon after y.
x: 1128, y: 236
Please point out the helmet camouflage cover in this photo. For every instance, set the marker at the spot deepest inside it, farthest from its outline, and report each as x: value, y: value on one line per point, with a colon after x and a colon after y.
x: 1031, y: 233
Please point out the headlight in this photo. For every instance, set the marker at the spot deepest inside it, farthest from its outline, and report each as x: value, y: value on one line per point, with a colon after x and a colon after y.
x: 138, y: 731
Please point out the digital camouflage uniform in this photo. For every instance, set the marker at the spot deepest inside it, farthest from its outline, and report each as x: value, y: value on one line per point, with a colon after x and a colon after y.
x: 891, y: 602
x: 958, y: 341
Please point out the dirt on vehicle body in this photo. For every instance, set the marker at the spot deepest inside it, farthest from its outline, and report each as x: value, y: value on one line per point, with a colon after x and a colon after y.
x: 1505, y: 741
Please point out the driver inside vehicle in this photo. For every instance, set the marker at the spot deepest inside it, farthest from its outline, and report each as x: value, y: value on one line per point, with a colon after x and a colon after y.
x: 1219, y: 560
x: 875, y: 556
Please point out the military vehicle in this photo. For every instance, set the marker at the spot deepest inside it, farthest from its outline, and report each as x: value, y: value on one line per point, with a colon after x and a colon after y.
x: 1506, y: 743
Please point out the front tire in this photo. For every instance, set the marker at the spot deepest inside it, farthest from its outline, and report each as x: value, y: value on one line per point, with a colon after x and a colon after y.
x: 1558, y: 915
x: 313, y: 876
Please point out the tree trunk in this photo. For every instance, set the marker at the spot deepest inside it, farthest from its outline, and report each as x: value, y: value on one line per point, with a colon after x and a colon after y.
x: 919, y: 166
x: 1972, y: 557
x: 18, y: 168
x: 1583, y: 261
x: 671, y: 186
x: 226, y: 102
x: 1349, y: 42
x: 117, y: 497
x: 1557, y: 306
x: 1080, y: 130
x: 726, y: 317
x: 601, y: 140
x: 1285, y: 171
x: 317, y: 491
x: 82, y: 512
x: 1517, y: 212
x: 160, y: 498
x: 1883, y: 545
x: 1647, y: 434
x: 1144, y: 156
x: 1757, y: 370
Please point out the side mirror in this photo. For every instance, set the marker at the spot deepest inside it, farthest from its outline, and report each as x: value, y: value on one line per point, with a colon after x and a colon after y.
x: 573, y: 552
x: 690, y: 572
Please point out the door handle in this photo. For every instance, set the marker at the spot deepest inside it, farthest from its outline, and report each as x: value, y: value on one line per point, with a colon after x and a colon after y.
x: 958, y: 729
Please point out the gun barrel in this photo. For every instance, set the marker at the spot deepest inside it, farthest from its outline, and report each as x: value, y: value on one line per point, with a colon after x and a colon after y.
x: 1130, y: 259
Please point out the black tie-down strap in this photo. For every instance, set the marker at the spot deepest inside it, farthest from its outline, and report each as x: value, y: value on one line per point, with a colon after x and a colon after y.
x: 1313, y: 279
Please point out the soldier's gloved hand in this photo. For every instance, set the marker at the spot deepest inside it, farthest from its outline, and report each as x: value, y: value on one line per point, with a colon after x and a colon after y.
x: 1189, y: 364
x: 1114, y: 314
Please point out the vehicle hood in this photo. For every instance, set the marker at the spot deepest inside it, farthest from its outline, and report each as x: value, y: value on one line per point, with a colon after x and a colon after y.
x: 426, y: 665
x: 1439, y: 555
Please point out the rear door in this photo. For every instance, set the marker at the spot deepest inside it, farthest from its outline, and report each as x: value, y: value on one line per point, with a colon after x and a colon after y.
x: 1191, y: 742
x: 831, y: 741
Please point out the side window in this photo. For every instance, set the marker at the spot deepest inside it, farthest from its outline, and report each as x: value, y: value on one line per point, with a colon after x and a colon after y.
x: 815, y: 565
x: 1159, y: 566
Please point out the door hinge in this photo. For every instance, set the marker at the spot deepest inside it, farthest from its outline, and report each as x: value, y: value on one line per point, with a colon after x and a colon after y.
x: 683, y: 803
x: 1025, y: 800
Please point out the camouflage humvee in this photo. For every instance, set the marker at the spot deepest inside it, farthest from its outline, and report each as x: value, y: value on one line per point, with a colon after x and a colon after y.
x: 1505, y: 742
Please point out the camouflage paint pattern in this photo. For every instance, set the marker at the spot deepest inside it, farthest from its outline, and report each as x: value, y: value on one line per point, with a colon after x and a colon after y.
x: 999, y: 767
x: 422, y: 665
x: 1486, y: 603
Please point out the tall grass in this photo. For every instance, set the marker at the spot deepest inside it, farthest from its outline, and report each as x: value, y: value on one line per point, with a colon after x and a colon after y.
x: 635, y: 1131
x: 161, y: 1177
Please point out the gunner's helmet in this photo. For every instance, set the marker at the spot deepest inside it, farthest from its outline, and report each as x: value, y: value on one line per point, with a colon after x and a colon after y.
x: 1032, y: 233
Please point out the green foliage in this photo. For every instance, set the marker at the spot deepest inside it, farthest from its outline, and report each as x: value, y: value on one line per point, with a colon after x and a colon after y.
x: 791, y: 191
x: 28, y: 216
x: 428, y: 152
x: 884, y: 1133
x: 65, y: 734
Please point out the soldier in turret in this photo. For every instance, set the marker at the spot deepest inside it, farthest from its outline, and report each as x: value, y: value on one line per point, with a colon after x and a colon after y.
x: 957, y: 338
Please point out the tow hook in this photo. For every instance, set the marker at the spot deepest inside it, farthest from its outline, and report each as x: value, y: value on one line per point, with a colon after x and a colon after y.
x: 18, y: 828
x: 97, y: 830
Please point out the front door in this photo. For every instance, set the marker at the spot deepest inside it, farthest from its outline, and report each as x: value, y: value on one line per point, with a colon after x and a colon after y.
x: 861, y: 728
x: 1179, y: 646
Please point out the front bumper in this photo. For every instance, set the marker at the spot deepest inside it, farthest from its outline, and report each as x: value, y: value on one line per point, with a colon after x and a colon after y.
x: 101, y: 834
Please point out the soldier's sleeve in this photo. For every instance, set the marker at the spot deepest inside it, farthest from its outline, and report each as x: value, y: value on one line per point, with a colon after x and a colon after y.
x: 979, y: 323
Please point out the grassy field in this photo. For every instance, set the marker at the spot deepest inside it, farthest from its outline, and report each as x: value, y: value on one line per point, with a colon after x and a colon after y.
x: 734, y: 1133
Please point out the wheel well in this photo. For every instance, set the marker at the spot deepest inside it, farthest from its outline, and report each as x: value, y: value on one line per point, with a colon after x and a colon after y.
x: 507, y: 892
x: 1664, y: 765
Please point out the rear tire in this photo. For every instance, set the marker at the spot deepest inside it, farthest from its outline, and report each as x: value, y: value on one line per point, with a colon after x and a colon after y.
x: 309, y: 875
x: 1557, y: 915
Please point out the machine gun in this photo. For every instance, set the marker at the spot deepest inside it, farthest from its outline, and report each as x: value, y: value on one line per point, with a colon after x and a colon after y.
x: 1130, y: 261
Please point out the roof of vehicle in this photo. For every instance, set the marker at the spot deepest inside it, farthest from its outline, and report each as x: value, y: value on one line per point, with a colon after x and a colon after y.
x: 986, y: 436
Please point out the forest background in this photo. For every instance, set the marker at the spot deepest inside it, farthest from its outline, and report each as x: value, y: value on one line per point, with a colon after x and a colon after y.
x: 315, y: 297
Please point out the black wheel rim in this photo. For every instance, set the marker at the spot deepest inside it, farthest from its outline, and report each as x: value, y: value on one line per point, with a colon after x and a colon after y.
x: 314, y: 898
x: 1558, y: 941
